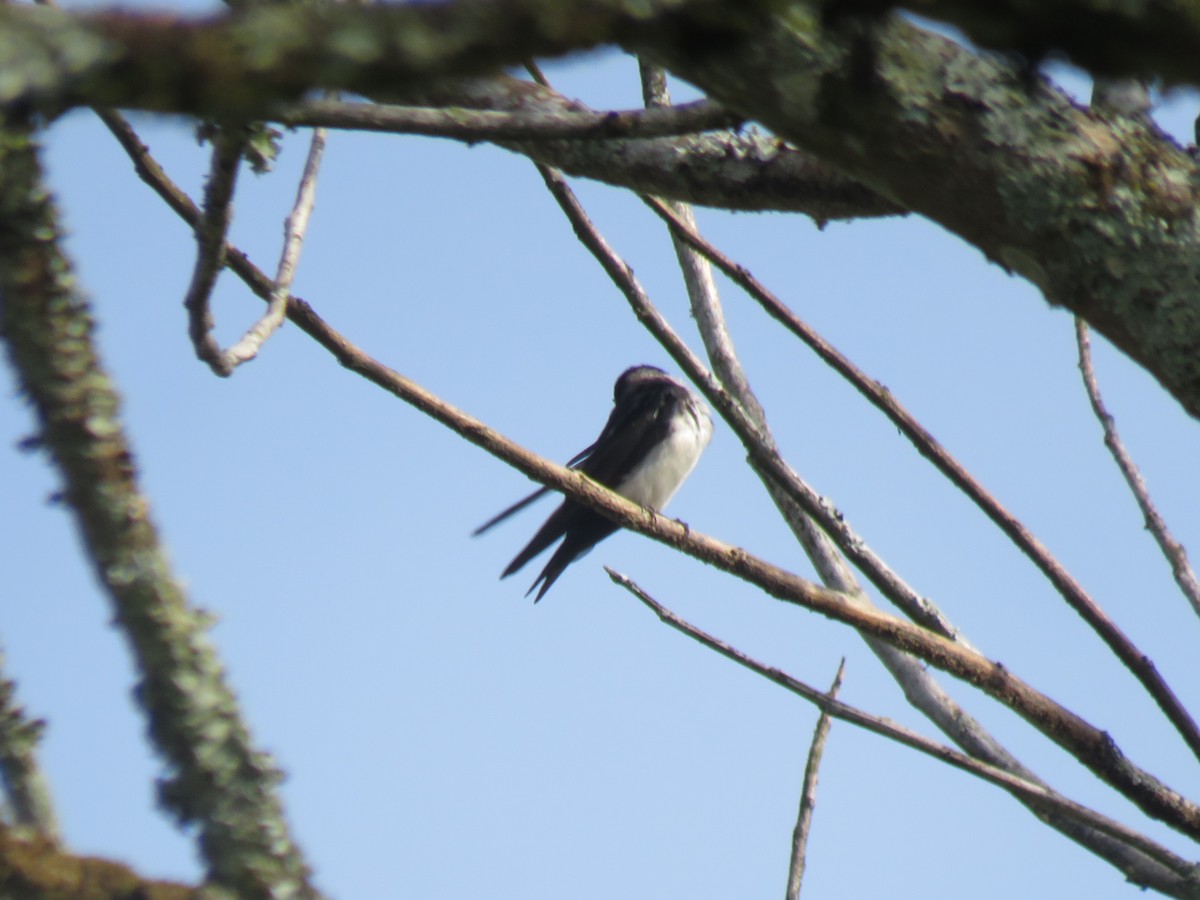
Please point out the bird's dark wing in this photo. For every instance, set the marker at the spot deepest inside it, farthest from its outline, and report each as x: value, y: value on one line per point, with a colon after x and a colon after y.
x: 632, y: 430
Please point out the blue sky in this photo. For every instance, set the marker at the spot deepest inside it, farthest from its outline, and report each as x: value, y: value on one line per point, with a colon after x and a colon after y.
x: 442, y: 735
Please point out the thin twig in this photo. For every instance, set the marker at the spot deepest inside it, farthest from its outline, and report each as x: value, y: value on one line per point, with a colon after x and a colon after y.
x: 294, y: 230
x: 808, y: 792
x: 1027, y: 790
x: 210, y: 248
x: 1174, y: 551
x: 1076, y: 596
x: 25, y: 785
x: 464, y: 124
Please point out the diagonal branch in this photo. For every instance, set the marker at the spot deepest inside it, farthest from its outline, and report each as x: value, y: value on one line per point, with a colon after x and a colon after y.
x: 1093, y: 748
x: 1188, y: 883
x: 1174, y: 552
x: 927, y: 445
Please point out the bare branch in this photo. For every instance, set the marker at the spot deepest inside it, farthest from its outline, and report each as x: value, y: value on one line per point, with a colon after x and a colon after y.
x: 1152, y: 38
x: 808, y: 792
x: 1174, y: 551
x: 294, y: 230
x: 1025, y: 790
x: 748, y: 170
x: 210, y: 249
x: 217, y: 781
x: 25, y: 785
x: 928, y: 446
x: 471, y: 125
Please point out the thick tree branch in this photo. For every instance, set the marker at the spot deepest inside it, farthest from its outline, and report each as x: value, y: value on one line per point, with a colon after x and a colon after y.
x: 217, y: 781
x: 238, y: 63
x: 1144, y: 38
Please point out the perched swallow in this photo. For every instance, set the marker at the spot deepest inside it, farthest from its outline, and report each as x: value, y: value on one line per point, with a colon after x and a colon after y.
x: 651, y: 442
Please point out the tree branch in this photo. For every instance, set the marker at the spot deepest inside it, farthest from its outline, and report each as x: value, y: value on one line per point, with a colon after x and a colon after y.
x: 748, y: 170
x: 1093, y: 748
x: 294, y: 230
x: 470, y: 125
x: 210, y: 249
x: 808, y: 791
x: 1134, y: 659
x: 1188, y: 882
x: 236, y: 64
x: 1145, y: 39
x: 1174, y: 552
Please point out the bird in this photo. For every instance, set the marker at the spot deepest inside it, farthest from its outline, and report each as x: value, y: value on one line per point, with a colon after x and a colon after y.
x: 650, y: 444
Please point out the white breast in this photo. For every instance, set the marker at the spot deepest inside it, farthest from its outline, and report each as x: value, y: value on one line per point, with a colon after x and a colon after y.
x: 654, y: 482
